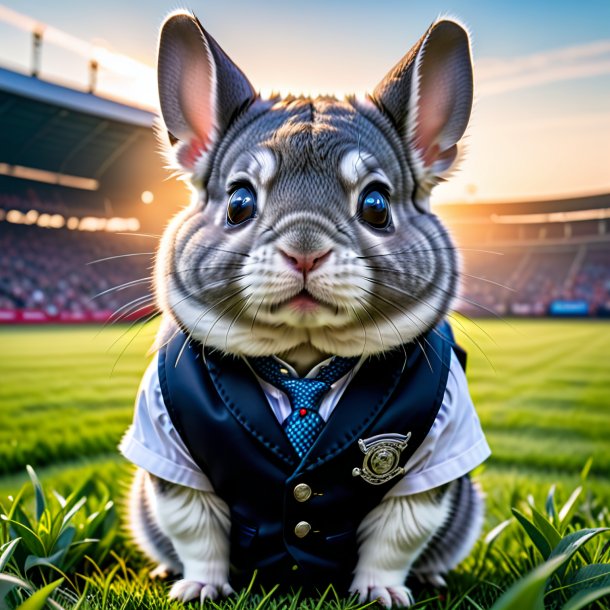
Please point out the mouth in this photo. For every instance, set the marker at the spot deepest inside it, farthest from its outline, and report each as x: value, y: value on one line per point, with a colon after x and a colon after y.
x: 303, y: 303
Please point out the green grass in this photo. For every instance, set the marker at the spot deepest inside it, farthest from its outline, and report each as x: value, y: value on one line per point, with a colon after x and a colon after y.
x: 541, y: 390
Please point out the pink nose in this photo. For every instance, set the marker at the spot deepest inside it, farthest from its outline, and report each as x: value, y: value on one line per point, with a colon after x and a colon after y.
x: 305, y: 262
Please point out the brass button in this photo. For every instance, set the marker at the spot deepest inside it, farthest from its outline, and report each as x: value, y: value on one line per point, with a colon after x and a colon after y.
x: 302, y: 492
x: 301, y: 529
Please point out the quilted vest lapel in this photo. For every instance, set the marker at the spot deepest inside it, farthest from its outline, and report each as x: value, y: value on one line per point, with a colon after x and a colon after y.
x: 243, y: 396
x: 362, y: 401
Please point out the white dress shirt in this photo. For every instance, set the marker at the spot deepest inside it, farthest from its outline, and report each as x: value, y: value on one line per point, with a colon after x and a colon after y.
x: 453, y: 447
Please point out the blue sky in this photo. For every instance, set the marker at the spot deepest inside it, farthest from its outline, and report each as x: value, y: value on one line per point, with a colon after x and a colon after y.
x: 541, y: 126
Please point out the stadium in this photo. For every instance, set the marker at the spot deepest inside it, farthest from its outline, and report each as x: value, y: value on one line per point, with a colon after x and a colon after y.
x: 84, y: 198
x: 78, y: 172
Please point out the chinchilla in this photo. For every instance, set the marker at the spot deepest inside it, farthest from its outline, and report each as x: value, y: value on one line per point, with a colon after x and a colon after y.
x: 309, y: 235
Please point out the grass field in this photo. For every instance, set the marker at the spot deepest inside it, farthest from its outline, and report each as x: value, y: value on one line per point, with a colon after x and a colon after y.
x: 541, y: 389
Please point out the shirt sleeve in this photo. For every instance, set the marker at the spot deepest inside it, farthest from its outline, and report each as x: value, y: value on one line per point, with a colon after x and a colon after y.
x: 152, y: 442
x: 455, y: 444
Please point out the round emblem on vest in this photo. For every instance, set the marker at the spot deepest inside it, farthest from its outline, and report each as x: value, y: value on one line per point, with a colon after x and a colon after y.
x: 302, y: 492
x: 382, y: 461
x: 381, y: 457
x: 301, y: 529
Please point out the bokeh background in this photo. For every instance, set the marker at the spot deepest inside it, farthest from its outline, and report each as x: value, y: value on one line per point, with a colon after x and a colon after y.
x: 84, y: 197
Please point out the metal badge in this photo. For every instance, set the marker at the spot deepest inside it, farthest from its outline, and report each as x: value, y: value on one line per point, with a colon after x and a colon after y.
x: 381, y: 457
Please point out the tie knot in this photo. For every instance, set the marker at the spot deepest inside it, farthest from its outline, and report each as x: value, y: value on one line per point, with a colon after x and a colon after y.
x: 303, y: 392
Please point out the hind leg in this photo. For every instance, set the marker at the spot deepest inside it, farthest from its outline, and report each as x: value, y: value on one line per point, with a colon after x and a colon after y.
x: 454, y: 540
x: 145, y: 530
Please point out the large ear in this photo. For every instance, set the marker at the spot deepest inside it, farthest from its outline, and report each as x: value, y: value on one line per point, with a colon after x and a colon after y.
x: 429, y: 96
x: 200, y: 88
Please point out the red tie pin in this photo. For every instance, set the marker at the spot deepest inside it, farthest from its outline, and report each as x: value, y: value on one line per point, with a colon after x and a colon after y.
x: 302, y: 412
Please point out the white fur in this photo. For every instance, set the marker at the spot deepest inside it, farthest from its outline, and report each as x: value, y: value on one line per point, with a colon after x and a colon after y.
x: 392, y: 536
x: 198, y: 525
x: 395, y: 533
x: 141, y: 496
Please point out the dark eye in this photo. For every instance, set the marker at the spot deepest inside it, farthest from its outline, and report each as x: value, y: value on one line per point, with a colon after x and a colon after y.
x: 242, y: 205
x: 375, y: 207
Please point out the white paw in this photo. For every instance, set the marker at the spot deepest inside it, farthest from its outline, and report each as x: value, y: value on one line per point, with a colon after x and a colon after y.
x: 185, y: 590
x: 388, y: 597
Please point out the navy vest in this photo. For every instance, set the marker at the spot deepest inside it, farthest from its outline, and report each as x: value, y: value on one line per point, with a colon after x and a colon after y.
x: 220, y: 411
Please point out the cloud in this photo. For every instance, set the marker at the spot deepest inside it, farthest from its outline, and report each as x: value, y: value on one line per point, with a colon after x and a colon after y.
x: 496, y: 76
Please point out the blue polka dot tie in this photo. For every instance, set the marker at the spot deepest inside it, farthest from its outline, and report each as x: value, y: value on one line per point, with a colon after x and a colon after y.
x: 304, y: 423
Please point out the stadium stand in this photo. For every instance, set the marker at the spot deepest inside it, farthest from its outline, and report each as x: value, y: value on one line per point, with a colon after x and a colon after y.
x: 534, y: 258
x: 74, y: 171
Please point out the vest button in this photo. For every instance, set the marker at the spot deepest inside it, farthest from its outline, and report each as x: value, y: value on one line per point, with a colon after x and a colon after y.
x: 302, y: 492
x: 301, y: 529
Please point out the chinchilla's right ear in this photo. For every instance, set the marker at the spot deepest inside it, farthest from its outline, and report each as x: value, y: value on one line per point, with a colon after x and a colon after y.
x: 200, y: 88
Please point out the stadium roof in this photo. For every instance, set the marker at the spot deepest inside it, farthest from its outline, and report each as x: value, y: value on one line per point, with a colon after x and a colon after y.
x: 72, y: 138
x: 71, y: 99
x: 483, y: 212
x: 50, y: 127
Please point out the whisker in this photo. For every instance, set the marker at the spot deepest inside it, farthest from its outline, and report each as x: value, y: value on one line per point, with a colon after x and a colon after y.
x: 190, y: 334
x: 256, y: 314
x: 363, y: 329
x: 140, y: 234
x: 440, y: 249
x: 188, y: 338
x: 111, y: 258
x: 368, y: 313
x: 248, y: 300
x: 219, y: 317
x: 402, y: 311
x: 143, y: 324
x: 137, y: 301
x: 142, y: 308
x: 423, y: 302
x: 400, y: 338
x: 484, y: 279
x: 142, y: 280
x: 439, y: 311
x: 173, y: 335
x: 112, y: 320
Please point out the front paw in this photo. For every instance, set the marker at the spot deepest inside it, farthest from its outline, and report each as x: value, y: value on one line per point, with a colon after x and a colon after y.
x: 186, y: 590
x: 398, y: 596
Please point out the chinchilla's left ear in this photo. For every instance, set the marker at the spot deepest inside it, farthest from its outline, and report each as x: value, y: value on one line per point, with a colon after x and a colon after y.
x: 200, y: 88
x: 428, y: 94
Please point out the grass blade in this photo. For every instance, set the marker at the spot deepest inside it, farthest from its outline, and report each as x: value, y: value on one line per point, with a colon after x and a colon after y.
x: 41, y: 503
x: 29, y: 538
x: 547, y: 528
x: 594, y: 575
x: 551, y: 510
x: 584, y: 598
x: 8, y: 582
x: 38, y: 600
x: 7, y: 553
x: 529, y: 591
x: 567, y: 510
x: 266, y: 598
x: 572, y: 543
x: 535, y: 535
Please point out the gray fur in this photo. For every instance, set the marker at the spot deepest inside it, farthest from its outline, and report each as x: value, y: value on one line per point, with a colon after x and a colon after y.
x: 309, y: 160
x: 454, y: 540
x: 143, y: 522
x: 228, y: 285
